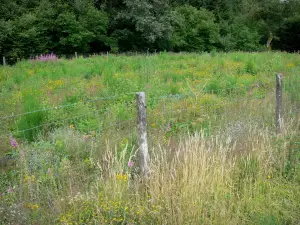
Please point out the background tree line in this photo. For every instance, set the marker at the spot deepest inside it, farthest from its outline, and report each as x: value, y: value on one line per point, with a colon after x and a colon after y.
x: 31, y: 27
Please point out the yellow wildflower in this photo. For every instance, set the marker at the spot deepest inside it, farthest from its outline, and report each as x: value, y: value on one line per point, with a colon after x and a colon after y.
x: 122, y: 177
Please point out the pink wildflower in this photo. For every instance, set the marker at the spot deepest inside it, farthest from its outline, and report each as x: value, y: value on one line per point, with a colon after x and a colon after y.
x: 169, y: 126
x: 46, y: 57
x: 13, y: 142
x: 10, y: 190
x: 130, y: 163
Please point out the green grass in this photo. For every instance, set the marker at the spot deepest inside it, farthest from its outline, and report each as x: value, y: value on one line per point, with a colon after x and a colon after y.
x: 215, y: 155
x: 69, y: 82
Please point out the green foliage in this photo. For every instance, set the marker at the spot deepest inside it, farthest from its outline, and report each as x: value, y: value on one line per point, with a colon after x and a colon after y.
x: 239, y: 36
x: 250, y: 67
x: 30, y: 123
x: 143, y: 24
x: 54, y: 27
x: 107, y: 212
x: 31, y: 28
x: 74, y: 36
x: 291, y: 165
x: 6, y: 32
x: 291, y: 86
x: 194, y: 30
x: 288, y: 35
x: 246, y: 173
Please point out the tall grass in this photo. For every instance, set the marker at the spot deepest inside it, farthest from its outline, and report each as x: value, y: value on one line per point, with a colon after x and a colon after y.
x: 254, y: 179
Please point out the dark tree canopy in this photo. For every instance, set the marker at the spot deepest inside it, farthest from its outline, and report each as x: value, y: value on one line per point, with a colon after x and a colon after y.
x: 289, y: 35
x: 32, y: 27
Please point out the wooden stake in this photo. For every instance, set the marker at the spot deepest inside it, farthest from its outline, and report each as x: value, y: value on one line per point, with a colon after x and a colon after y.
x: 142, y: 134
x: 279, y: 119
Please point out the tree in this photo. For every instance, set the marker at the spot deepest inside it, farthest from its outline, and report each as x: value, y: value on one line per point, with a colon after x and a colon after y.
x: 144, y: 23
x: 5, y: 34
x: 238, y: 35
x: 289, y: 35
x: 30, y: 27
x: 194, y: 30
x: 59, y: 26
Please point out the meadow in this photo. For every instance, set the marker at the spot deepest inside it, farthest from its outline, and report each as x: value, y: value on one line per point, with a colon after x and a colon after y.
x: 69, y: 149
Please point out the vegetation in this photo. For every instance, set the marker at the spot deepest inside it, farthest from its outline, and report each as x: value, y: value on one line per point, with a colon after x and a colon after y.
x: 30, y: 28
x: 68, y: 137
x: 70, y: 149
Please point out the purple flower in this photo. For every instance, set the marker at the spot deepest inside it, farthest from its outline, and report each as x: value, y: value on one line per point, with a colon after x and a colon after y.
x: 169, y: 126
x: 46, y: 57
x: 130, y: 163
x: 13, y: 142
x: 10, y: 190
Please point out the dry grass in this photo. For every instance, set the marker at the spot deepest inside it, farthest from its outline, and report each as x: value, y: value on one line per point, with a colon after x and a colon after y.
x: 219, y: 179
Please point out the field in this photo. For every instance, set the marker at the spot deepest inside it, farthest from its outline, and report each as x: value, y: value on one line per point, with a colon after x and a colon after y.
x: 69, y: 149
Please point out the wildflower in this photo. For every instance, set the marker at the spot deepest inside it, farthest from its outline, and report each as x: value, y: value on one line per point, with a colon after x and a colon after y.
x: 31, y: 206
x: 290, y: 65
x: 46, y: 57
x: 121, y: 177
x: 86, y: 137
x: 10, y: 190
x: 13, y: 142
x: 130, y: 163
x: 269, y: 177
x: 29, y: 179
x: 165, y: 139
x: 169, y: 126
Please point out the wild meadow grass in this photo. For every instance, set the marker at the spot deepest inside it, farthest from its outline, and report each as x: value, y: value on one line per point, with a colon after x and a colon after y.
x: 215, y: 155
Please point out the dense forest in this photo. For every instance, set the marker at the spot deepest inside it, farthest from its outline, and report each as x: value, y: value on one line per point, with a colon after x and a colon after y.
x: 32, y: 27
